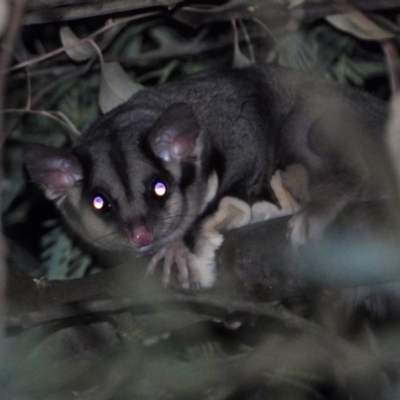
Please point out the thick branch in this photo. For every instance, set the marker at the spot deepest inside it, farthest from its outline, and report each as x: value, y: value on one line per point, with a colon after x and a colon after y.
x: 255, y: 262
x: 41, y: 11
x: 273, y: 12
x: 44, y: 12
x: 360, y: 248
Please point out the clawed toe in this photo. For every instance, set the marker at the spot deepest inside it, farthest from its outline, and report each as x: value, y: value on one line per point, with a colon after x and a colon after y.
x: 192, y: 273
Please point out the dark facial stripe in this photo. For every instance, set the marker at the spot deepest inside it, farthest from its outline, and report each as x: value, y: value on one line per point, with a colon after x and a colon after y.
x: 119, y: 162
x: 188, y: 175
x: 148, y: 153
x: 188, y: 170
x: 87, y: 168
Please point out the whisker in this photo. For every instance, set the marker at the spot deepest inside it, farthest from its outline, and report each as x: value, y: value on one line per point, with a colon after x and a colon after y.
x: 99, y: 238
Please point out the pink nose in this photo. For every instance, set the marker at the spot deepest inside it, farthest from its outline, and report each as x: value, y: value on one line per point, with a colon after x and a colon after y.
x: 140, y: 235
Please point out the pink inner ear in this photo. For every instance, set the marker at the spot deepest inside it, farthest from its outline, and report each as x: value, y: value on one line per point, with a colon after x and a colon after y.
x: 57, y: 179
x: 56, y: 170
x: 182, y: 146
x: 173, y: 136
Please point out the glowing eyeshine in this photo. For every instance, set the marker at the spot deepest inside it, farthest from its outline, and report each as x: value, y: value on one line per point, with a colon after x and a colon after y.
x: 160, y: 189
x: 98, y: 203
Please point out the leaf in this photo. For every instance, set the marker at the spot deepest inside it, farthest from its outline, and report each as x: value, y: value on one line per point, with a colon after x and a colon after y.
x: 167, y: 71
x: 82, y: 51
x: 61, y: 259
x: 359, y: 25
x: 295, y: 3
x: 110, y: 34
x: 116, y: 87
x: 131, y: 36
x: 165, y: 36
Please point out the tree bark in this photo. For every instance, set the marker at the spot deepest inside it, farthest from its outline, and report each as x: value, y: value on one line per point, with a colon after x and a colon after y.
x: 43, y: 11
x: 256, y: 262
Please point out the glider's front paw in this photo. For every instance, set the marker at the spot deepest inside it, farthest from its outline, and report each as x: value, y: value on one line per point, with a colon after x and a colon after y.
x: 192, y: 271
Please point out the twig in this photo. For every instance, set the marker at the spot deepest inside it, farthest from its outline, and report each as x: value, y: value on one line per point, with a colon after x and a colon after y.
x: 310, y: 12
x: 272, y: 11
x: 80, y: 41
x: 153, y: 57
x: 58, y: 116
x: 327, y: 339
x: 100, y: 8
x: 38, y: 5
x: 51, y: 11
x: 391, y: 56
x: 67, y: 77
x: 165, y: 299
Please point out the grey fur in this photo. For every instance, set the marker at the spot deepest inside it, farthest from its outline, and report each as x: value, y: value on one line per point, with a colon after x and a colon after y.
x: 244, y: 125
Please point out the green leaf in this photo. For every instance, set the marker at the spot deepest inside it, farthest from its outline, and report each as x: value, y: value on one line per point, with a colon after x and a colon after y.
x: 359, y: 25
x: 82, y: 51
x: 165, y: 36
x: 61, y: 258
x: 116, y: 87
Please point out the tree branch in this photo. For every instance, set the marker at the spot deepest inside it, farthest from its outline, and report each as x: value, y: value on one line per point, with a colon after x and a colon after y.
x: 41, y: 11
x: 255, y: 262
